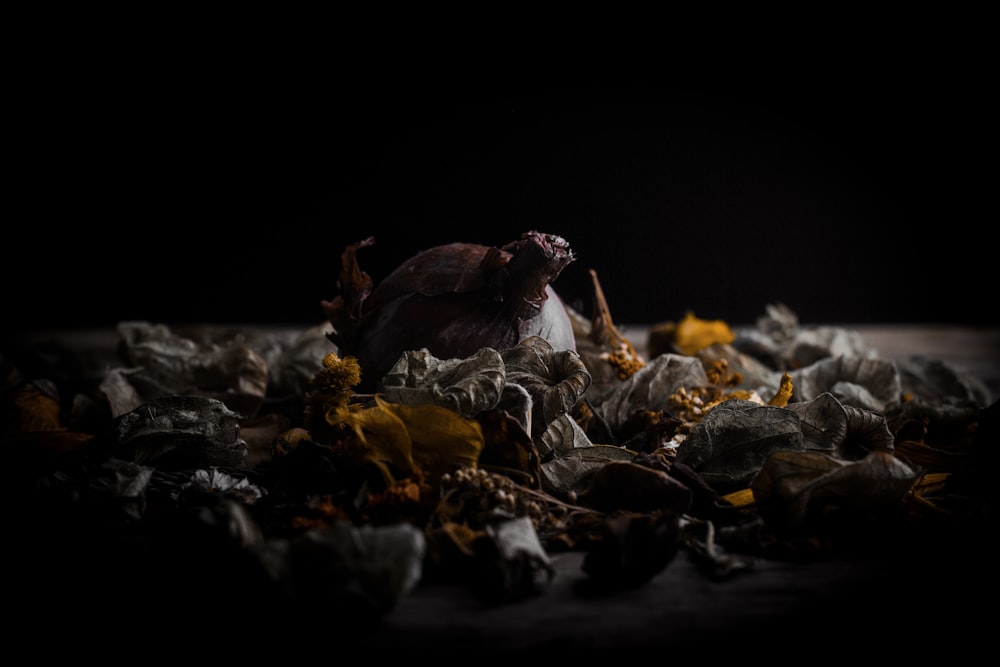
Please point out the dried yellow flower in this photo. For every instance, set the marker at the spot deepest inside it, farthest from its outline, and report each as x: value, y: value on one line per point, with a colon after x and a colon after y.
x: 693, y: 334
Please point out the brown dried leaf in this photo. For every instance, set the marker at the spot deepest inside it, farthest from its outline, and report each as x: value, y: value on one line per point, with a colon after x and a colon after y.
x: 811, y: 490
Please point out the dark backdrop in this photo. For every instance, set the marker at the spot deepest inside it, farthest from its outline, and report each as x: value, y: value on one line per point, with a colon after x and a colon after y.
x: 221, y: 199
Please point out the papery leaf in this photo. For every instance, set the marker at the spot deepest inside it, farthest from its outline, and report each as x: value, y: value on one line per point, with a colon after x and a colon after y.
x: 569, y: 473
x: 180, y: 432
x: 846, y: 432
x: 823, y: 423
x: 650, y: 388
x: 730, y: 444
x: 935, y: 381
x: 516, y: 565
x: 562, y: 436
x: 357, y: 572
x: 468, y: 386
x: 803, y: 490
x: 556, y: 379
x: 867, y: 431
x: 872, y: 384
x: 163, y: 363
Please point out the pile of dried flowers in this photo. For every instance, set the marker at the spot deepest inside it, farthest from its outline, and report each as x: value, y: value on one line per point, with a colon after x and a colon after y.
x: 218, y: 453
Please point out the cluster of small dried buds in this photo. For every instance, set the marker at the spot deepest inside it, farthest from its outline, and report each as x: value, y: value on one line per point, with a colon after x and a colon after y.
x: 718, y: 373
x: 501, y: 494
x: 625, y: 359
x: 692, y: 404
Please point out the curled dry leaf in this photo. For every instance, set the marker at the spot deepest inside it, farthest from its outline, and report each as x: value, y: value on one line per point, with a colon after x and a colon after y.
x: 843, y: 431
x: 781, y: 343
x: 555, y: 379
x: 179, y: 432
x: 467, y: 386
x: 872, y: 384
x: 562, y: 436
x: 814, y: 491
x: 569, y: 474
x: 348, y: 571
x: 936, y: 382
x: 160, y: 362
x: 730, y: 444
x: 518, y: 565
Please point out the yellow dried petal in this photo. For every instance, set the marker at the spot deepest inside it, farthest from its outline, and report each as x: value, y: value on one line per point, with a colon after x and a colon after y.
x: 440, y: 438
x: 741, y: 498
x: 693, y: 334
x: 784, y: 393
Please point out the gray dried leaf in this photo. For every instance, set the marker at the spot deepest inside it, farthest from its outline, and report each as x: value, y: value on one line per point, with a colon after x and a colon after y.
x: 877, y: 382
x: 844, y: 432
x: 569, y: 474
x: 934, y: 381
x: 167, y: 364
x: 218, y: 483
x: 357, y: 571
x: 467, y: 386
x: 561, y: 436
x: 732, y: 441
x: 823, y: 422
x: 556, y: 379
x: 121, y: 394
x: 781, y: 343
x: 521, y: 567
x: 181, y: 432
x: 867, y: 430
x: 292, y: 357
x: 650, y: 387
x: 822, y: 342
x: 517, y: 402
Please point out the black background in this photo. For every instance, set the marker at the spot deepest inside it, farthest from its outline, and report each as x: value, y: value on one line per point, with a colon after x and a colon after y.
x: 219, y: 197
